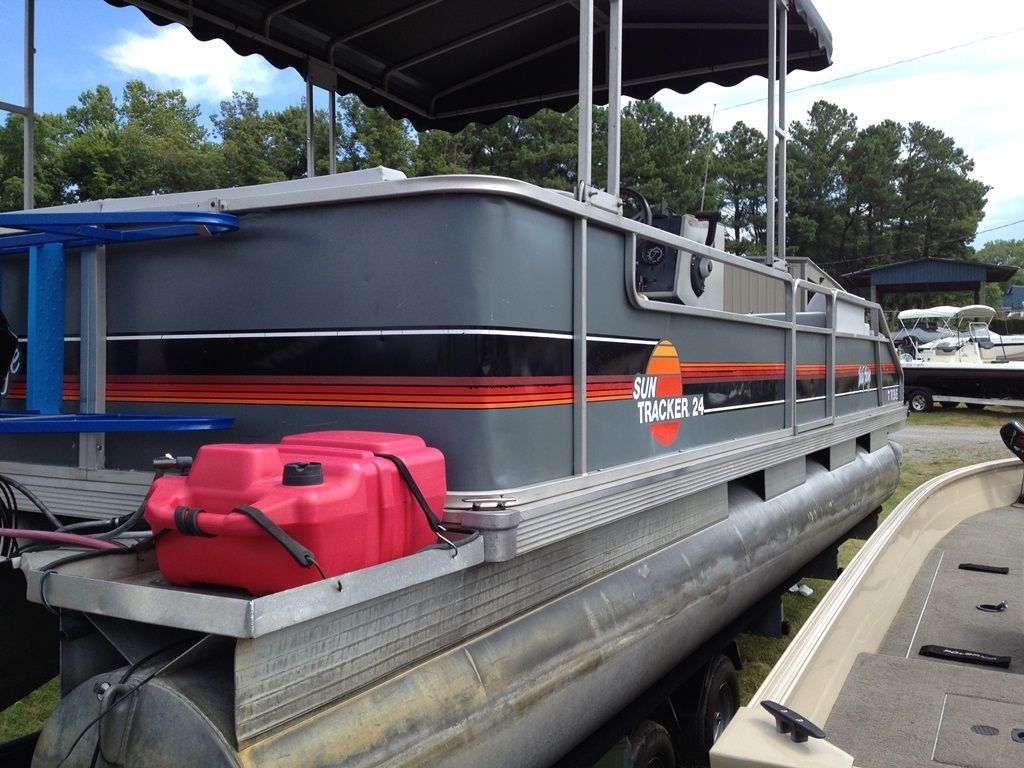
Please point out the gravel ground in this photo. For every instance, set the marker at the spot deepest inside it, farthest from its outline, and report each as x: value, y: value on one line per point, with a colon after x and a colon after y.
x: 927, y: 442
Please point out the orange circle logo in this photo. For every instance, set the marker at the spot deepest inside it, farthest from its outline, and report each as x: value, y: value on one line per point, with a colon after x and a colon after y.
x: 658, y: 393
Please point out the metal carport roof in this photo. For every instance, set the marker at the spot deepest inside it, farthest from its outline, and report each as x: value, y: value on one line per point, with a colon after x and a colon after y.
x: 928, y: 276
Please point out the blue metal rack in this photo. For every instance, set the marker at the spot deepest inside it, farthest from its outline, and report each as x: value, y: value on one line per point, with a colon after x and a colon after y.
x: 85, y: 230
x: 46, y: 236
x: 64, y: 423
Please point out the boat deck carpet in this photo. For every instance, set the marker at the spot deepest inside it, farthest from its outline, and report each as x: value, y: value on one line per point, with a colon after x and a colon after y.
x: 898, y: 709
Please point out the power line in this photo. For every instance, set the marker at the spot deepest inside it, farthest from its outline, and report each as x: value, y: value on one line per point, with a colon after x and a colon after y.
x: 1001, y: 226
x: 881, y: 67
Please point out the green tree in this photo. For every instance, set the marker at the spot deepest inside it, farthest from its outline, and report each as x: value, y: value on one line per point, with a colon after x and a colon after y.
x: 664, y: 156
x: 818, y: 201
x: 739, y: 169
x: 246, y: 143
x: 1007, y: 253
x: 49, y: 177
x: 438, y: 152
x: 148, y: 143
x: 872, y: 194
x: 369, y: 136
x: 940, y: 205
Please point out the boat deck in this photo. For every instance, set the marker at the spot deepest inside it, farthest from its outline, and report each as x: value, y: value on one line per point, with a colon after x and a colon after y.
x: 898, y: 708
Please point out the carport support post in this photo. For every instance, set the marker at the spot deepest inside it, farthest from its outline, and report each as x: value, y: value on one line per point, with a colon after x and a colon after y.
x: 45, y: 364
x: 586, y: 99
x: 310, y: 160
x: 29, y: 161
x: 614, y: 94
x: 92, y: 369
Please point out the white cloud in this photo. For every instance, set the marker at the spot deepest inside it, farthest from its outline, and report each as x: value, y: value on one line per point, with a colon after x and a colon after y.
x: 203, y: 71
x: 970, y: 92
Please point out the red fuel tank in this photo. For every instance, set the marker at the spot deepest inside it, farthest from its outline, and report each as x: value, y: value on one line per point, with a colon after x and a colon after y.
x: 328, y: 491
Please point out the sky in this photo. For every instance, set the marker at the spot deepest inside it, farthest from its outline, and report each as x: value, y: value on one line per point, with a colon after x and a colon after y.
x: 955, y: 66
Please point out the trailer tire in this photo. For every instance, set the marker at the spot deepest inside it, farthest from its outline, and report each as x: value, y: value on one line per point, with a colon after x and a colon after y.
x: 650, y: 746
x: 920, y: 400
x: 719, y: 701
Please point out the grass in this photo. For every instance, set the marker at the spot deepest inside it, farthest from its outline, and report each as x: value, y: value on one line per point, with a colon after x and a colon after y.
x: 759, y: 653
x: 28, y: 715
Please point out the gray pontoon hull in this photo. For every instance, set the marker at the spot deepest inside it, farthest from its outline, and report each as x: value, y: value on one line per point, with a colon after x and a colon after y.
x: 642, y: 471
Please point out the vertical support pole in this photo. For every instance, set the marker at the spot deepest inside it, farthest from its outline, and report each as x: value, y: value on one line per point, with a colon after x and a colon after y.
x: 332, y: 133
x: 30, y: 108
x: 878, y: 372
x: 769, y: 245
x: 579, y: 351
x: 93, y: 352
x: 791, y: 347
x: 310, y: 164
x: 45, y: 364
x: 780, y: 129
x: 586, y: 99
x: 832, y: 315
x: 579, y: 262
x: 614, y: 94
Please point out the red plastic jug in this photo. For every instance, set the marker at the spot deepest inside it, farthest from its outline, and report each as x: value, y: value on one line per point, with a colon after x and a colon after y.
x: 328, y: 491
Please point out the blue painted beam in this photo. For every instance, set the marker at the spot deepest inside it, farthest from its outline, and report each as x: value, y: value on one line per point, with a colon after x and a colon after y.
x: 45, y: 358
x: 20, y: 423
x: 84, y: 230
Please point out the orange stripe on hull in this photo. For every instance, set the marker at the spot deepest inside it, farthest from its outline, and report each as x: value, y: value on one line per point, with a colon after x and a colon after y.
x: 467, y: 393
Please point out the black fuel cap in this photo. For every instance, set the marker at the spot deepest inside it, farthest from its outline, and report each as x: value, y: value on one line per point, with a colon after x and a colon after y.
x: 303, y: 473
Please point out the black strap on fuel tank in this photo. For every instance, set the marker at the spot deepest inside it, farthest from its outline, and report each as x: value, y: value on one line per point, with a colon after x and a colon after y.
x: 403, y: 470
x: 186, y: 520
x: 298, y: 553
x: 187, y: 524
x: 435, y: 524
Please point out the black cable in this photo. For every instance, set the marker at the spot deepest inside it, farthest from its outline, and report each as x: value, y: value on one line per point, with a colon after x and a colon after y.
x: 8, y: 519
x: 50, y: 517
x: 140, y: 546
x: 87, y: 525
x: 131, y: 520
x: 124, y: 678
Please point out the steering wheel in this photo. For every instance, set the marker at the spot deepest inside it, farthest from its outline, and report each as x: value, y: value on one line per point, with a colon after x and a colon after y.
x: 638, y: 201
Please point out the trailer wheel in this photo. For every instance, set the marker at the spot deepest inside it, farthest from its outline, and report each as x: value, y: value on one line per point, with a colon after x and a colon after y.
x: 920, y: 400
x: 719, y: 700
x: 650, y: 746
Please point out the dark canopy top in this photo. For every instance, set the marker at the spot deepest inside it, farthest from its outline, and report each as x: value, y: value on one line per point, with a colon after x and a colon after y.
x: 446, y: 63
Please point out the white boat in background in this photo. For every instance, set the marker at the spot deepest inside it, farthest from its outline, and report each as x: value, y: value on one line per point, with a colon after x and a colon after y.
x: 954, y: 335
x: 915, y: 656
x: 966, y: 361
